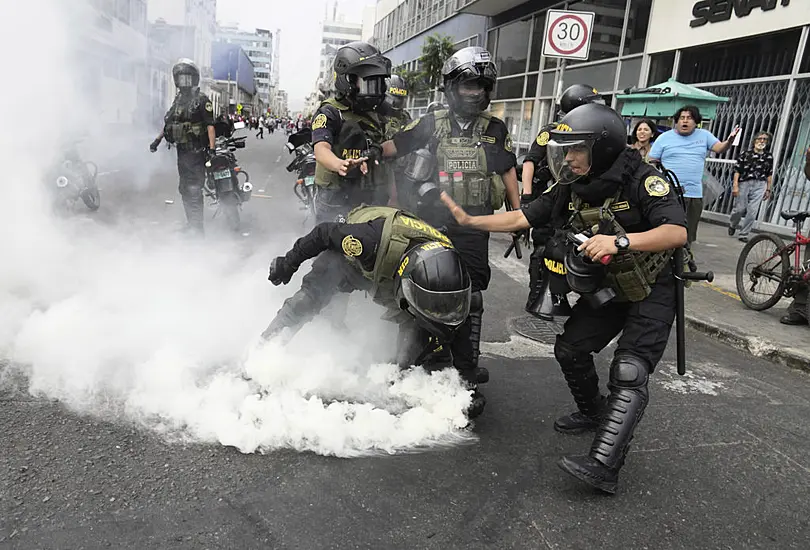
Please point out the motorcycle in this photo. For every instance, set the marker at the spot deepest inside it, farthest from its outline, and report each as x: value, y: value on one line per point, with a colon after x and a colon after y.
x: 300, y: 144
x: 75, y: 179
x: 222, y: 183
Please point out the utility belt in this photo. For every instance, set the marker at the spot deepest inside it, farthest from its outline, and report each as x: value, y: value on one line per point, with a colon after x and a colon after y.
x: 473, y: 190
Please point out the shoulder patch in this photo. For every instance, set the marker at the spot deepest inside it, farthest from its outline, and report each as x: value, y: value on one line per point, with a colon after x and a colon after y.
x: 319, y: 122
x: 507, y: 143
x: 411, y: 125
x: 542, y: 139
x: 209, y: 107
x: 656, y: 186
x: 351, y: 246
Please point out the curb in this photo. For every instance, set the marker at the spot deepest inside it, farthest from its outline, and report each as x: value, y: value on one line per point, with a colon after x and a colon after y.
x: 752, y: 345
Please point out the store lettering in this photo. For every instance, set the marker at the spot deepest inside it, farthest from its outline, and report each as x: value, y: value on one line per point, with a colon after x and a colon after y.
x: 715, y: 11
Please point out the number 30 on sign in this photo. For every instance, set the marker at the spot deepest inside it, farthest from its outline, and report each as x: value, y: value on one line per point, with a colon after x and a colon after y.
x: 568, y: 34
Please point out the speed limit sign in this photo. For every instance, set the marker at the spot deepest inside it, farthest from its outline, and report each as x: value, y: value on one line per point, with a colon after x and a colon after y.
x: 568, y: 34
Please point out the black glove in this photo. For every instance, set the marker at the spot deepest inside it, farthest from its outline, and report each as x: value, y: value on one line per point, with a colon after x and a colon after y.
x: 281, y: 271
x: 374, y: 152
x: 154, y: 145
x: 526, y: 200
x: 210, y: 153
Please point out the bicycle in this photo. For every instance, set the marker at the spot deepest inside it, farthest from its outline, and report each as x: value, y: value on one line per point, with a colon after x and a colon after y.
x: 754, y: 274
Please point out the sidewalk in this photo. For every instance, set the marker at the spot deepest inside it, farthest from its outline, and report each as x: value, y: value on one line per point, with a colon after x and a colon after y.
x: 715, y: 308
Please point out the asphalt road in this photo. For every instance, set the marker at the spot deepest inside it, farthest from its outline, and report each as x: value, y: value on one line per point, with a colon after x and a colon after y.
x: 719, y: 460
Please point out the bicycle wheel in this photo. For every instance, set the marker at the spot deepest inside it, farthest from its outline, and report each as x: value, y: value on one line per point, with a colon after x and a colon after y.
x: 762, y: 271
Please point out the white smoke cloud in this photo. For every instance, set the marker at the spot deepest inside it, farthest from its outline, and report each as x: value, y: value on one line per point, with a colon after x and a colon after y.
x: 134, y: 324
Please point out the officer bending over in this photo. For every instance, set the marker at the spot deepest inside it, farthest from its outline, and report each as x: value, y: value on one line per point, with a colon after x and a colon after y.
x: 630, y: 214
x: 405, y: 265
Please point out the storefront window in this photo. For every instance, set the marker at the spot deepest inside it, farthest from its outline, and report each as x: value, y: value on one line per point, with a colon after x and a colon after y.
x: 526, y: 130
x: 550, y: 63
x: 805, y: 66
x: 608, y: 23
x: 766, y: 55
x: 511, y: 116
x: 531, y: 85
x: 513, y: 42
x: 509, y: 88
x: 631, y: 69
x: 637, y: 26
x: 599, y: 76
x: 492, y: 42
x: 547, y: 86
x: 661, y: 65
x: 537, y: 41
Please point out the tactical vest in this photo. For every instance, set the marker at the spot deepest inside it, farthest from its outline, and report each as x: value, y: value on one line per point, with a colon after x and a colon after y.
x: 462, y: 163
x: 630, y: 273
x: 183, y: 125
x: 400, y: 231
x: 355, y: 133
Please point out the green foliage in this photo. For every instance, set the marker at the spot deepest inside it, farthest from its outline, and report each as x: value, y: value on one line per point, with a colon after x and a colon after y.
x: 435, y: 51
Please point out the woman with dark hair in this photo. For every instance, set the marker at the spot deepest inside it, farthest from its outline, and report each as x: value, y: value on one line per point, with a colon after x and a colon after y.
x: 753, y: 177
x: 643, y: 136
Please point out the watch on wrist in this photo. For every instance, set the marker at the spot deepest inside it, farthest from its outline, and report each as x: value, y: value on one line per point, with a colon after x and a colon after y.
x: 622, y: 242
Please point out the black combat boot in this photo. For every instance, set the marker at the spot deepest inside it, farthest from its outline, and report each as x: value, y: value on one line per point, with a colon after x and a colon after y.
x: 476, y: 320
x: 580, y: 373
x: 625, y: 407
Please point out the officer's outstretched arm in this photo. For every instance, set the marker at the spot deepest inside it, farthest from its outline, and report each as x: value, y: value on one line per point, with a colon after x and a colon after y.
x: 330, y: 161
x: 504, y: 222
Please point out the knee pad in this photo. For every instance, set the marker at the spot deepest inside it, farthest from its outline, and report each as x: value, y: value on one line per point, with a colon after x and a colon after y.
x: 477, y: 302
x: 568, y: 355
x: 629, y: 372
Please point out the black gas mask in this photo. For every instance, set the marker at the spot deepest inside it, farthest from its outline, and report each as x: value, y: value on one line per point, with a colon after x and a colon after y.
x: 586, y: 277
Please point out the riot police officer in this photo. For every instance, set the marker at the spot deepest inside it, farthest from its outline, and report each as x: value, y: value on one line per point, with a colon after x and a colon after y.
x: 475, y: 162
x: 627, y: 217
x: 189, y: 125
x: 535, y: 178
x: 405, y: 265
x: 343, y: 128
x: 396, y: 118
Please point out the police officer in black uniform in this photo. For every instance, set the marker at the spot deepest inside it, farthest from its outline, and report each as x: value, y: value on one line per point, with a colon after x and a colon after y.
x: 475, y: 162
x: 536, y: 177
x: 344, y: 127
x: 189, y: 125
x: 396, y: 118
x: 631, y: 222
x: 405, y: 265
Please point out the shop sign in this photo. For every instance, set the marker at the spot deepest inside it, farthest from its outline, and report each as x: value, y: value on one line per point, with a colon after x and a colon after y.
x: 716, y: 11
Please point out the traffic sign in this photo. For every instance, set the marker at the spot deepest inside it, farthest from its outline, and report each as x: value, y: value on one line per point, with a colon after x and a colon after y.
x: 568, y: 34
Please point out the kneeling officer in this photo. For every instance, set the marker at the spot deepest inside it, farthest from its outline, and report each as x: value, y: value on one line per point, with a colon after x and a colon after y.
x: 405, y: 265
x: 629, y: 223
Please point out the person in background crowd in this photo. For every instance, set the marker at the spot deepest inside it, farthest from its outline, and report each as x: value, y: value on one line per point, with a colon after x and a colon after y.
x: 797, y: 310
x: 753, y: 177
x: 644, y: 134
x: 260, y: 125
x: 683, y: 151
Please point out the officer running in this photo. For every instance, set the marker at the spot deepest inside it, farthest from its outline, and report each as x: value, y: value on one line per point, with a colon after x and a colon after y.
x: 536, y: 178
x: 628, y: 213
x: 476, y: 165
x: 343, y: 128
x: 405, y: 265
x: 189, y: 125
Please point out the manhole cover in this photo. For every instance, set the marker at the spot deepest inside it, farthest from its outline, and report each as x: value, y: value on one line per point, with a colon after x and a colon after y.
x: 537, y: 329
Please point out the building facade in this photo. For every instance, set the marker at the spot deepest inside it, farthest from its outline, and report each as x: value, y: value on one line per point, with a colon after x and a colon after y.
x: 754, y: 52
x: 200, y: 18
x: 336, y: 31
x: 260, y: 48
x: 235, y: 78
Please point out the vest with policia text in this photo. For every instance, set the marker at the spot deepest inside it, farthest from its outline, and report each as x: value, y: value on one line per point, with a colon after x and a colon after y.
x: 630, y: 273
x: 462, y: 163
x: 400, y: 231
x: 356, y: 131
x: 184, y: 125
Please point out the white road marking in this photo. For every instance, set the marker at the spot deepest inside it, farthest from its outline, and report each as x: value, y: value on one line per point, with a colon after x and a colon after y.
x: 514, y: 268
